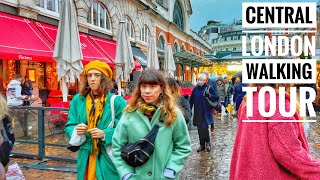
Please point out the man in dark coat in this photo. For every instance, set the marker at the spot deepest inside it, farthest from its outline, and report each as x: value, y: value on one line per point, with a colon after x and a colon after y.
x: 203, y: 116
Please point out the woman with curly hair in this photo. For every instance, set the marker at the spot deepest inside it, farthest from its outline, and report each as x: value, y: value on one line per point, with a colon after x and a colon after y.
x: 152, y: 101
x: 90, y: 119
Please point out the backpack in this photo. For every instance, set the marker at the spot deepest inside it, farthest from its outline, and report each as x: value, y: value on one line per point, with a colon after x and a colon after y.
x: 6, y: 144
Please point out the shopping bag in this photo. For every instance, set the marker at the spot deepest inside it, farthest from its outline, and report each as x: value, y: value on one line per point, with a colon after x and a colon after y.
x: 229, y: 108
x: 14, y: 172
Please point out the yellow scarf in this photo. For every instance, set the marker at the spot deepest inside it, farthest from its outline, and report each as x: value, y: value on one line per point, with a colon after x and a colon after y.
x: 94, y: 114
x: 148, y: 110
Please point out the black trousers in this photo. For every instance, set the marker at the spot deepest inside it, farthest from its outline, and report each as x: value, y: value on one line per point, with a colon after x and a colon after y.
x: 203, y: 135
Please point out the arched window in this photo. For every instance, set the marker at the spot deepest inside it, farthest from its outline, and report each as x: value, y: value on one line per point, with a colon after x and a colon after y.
x: 144, y: 34
x: 130, y: 29
x: 191, y: 50
x: 161, y: 42
x: 175, y: 47
x: 99, y: 16
x: 178, y: 15
x: 182, y: 48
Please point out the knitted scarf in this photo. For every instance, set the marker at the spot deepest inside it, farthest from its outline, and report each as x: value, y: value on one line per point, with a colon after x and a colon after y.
x: 94, y: 113
x: 148, y: 110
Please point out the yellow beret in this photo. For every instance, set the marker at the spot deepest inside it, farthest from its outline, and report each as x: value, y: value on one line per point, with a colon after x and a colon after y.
x: 101, y: 66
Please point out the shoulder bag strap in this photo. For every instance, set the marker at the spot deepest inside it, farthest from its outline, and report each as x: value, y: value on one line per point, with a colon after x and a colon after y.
x: 113, y: 97
x: 205, y: 90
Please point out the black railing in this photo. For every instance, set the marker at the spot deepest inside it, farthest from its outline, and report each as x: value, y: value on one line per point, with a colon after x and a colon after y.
x: 45, y: 139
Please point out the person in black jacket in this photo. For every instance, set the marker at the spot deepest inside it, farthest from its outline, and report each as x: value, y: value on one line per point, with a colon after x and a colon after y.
x: 181, y: 101
x: 7, y: 138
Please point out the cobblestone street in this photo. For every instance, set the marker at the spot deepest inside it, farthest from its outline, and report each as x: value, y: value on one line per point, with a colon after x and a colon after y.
x: 200, y: 166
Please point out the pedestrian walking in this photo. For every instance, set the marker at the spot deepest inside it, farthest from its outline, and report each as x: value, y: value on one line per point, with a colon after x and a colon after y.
x: 150, y: 106
x: 90, y: 121
x: 180, y: 100
x: 222, y: 95
x: 15, y: 98
x: 271, y: 150
x: 238, y: 93
x: 212, y: 84
x: 203, y: 110
x: 28, y: 83
x: 7, y: 138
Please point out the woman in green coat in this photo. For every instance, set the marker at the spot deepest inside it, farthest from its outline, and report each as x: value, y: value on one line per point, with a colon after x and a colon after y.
x: 89, y: 123
x: 152, y: 99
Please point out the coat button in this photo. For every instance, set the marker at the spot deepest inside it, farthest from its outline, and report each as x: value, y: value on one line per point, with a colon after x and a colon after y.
x: 149, y: 173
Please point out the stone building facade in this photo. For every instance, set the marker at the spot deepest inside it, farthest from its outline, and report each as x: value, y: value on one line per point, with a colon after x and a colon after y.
x: 100, y: 18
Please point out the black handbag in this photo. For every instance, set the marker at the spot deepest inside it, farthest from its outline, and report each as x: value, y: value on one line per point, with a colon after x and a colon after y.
x: 215, y: 104
x: 137, y: 153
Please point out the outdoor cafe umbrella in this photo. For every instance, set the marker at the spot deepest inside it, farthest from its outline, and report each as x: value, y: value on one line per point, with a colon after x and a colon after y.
x: 152, y: 58
x: 169, y: 65
x: 194, y: 79
x: 124, y: 58
x: 67, y: 50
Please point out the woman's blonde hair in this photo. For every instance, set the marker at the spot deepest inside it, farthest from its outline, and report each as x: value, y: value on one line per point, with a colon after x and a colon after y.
x: 155, y: 77
x: 4, y: 110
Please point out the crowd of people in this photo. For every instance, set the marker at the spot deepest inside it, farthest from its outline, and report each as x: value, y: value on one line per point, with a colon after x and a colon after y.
x: 147, y: 138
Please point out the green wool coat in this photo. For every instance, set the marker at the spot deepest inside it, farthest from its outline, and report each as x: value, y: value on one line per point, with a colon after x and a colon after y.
x: 172, y: 145
x: 77, y: 114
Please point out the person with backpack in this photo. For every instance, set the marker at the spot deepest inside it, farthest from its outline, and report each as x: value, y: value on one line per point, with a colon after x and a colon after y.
x: 156, y: 130
x: 90, y: 126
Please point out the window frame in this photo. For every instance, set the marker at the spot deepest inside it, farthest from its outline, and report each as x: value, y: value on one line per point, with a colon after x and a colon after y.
x: 177, y: 10
x: 131, y: 32
x: 45, y: 10
x: 164, y: 42
x: 145, y: 34
x: 107, y: 18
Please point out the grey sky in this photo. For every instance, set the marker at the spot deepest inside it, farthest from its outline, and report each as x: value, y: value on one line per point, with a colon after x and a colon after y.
x: 223, y: 10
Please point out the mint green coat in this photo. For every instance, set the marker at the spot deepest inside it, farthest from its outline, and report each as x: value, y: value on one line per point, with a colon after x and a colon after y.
x: 172, y: 145
x: 77, y: 115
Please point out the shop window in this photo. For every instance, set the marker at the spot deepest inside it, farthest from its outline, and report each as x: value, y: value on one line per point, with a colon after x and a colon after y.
x: 145, y: 34
x: 99, y: 16
x: 178, y: 15
x: 161, y: 42
x: 50, y: 5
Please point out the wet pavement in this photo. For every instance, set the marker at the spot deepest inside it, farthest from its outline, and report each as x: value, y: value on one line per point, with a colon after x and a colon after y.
x: 200, y: 166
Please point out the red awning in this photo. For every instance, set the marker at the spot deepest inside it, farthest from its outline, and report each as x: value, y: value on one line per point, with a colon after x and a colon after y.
x: 21, y: 40
x: 89, y: 51
x: 109, y: 48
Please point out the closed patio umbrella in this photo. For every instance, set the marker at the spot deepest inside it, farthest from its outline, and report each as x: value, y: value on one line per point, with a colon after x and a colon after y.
x: 124, y: 58
x: 194, y: 79
x: 169, y: 65
x: 67, y: 50
x: 152, y: 57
